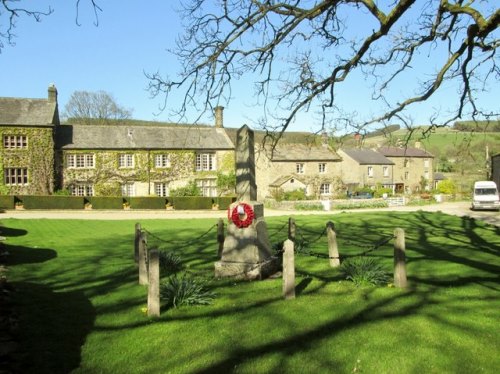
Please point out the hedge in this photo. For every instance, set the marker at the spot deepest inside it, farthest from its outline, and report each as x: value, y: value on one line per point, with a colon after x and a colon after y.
x: 7, y: 202
x: 193, y: 202
x: 224, y: 201
x: 52, y: 202
x: 149, y: 202
x: 106, y: 202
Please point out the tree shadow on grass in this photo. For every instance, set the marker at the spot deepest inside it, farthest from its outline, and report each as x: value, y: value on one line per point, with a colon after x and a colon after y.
x: 8, y: 231
x: 26, y: 255
x: 52, y: 326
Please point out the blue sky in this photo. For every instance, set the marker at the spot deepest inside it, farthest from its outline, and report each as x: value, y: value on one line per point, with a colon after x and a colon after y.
x: 133, y: 38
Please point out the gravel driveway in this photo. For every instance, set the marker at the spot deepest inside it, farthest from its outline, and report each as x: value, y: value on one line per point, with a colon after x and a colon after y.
x: 454, y: 208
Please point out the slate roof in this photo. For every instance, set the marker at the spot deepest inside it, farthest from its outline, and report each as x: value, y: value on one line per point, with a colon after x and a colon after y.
x: 27, y: 112
x: 141, y: 137
x: 404, y: 152
x: 367, y: 157
x: 302, y: 152
x: 278, y: 182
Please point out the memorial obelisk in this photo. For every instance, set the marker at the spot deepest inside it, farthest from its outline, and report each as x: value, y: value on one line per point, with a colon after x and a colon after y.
x: 247, y: 251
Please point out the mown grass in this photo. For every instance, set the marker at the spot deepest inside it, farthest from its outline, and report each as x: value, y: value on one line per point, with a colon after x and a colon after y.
x: 80, y: 305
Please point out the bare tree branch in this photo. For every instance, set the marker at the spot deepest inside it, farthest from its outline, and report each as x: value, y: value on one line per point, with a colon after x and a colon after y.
x: 301, y: 53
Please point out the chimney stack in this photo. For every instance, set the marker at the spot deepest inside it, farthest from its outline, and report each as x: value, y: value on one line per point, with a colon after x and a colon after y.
x: 219, y: 118
x: 52, y: 93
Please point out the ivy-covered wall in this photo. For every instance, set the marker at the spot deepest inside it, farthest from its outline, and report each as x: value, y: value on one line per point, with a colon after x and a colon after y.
x: 106, y: 176
x: 37, y: 157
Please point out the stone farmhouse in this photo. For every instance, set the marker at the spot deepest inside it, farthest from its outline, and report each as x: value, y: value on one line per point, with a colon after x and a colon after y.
x: 40, y: 155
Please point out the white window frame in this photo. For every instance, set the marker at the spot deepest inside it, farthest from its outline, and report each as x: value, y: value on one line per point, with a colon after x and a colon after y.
x: 15, y: 141
x: 426, y: 163
x: 126, y: 160
x: 299, y: 168
x: 407, y: 175
x: 385, y: 170
x: 206, y: 162
x: 322, y: 167
x: 207, y: 186
x: 81, y: 189
x: 16, y: 176
x: 128, y: 189
x: 325, y: 189
x: 369, y: 171
x: 426, y: 174
x: 81, y: 161
x: 161, y: 189
x: 162, y: 160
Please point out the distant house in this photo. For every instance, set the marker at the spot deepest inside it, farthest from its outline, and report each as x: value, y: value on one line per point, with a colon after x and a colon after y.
x: 140, y: 160
x: 413, y: 168
x: 366, y: 168
x: 315, y: 169
x: 27, y: 152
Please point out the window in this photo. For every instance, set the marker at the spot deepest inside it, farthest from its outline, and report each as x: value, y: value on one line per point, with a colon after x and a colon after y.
x: 82, y: 189
x: 205, y: 161
x: 299, y: 168
x: 407, y: 175
x: 426, y: 174
x: 322, y: 167
x: 162, y: 161
x: 208, y: 187
x: 426, y: 163
x: 15, y: 141
x: 385, y: 169
x: 324, y: 189
x: 161, y: 189
x: 126, y: 160
x: 128, y: 189
x: 81, y: 160
x: 406, y: 163
x: 370, y: 171
x: 16, y: 176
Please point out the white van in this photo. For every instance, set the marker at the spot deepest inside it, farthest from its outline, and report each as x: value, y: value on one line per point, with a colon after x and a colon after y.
x: 485, y: 196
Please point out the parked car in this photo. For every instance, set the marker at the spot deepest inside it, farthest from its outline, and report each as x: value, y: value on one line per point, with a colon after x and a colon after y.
x: 361, y: 195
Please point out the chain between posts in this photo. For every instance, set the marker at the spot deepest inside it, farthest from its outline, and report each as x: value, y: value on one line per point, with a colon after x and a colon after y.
x: 184, y: 244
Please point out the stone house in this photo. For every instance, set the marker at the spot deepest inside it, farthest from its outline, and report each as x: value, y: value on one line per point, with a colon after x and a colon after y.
x: 27, y: 152
x: 413, y: 168
x: 311, y: 168
x: 365, y: 168
x: 140, y: 160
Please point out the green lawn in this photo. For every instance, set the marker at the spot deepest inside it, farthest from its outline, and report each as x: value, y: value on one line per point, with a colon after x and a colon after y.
x: 80, y: 305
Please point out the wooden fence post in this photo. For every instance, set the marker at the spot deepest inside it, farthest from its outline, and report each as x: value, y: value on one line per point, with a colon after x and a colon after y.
x: 220, y: 236
x: 292, y: 228
x: 400, y: 280
x: 154, y: 283
x: 136, y: 241
x: 288, y: 270
x: 143, y: 258
x: 333, y: 250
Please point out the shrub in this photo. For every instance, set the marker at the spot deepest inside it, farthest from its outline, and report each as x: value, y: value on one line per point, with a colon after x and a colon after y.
x: 170, y: 263
x: 379, y: 192
x: 185, y: 291
x: 6, y: 202
x: 364, y: 271
x: 310, y: 206
x: 106, y: 202
x: 192, y: 202
x: 447, y: 186
x: 295, y: 195
x: 52, y: 202
x: 191, y: 189
x: 362, y: 204
x: 150, y: 202
x: 225, y: 201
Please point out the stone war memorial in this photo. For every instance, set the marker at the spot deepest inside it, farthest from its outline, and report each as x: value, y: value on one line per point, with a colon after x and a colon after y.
x: 246, y: 253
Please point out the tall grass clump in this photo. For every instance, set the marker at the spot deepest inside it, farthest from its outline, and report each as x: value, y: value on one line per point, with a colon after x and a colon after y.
x: 364, y: 271
x: 177, y: 291
x: 170, y: 263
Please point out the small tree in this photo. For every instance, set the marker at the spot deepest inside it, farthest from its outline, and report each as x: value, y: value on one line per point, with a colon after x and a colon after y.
x: 94, y: 107
x: 447, y: 187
